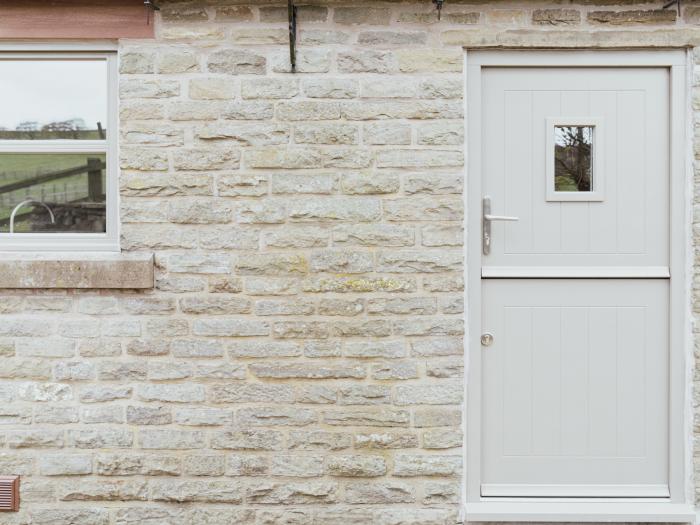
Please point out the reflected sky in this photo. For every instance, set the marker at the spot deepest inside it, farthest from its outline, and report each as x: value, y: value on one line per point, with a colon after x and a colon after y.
x: 46, y: 91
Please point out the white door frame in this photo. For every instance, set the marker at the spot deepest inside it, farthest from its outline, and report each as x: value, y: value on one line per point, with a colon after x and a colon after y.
x: 680, y: 504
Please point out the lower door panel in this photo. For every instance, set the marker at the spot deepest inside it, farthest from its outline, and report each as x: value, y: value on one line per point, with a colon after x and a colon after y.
x: 575, y: 388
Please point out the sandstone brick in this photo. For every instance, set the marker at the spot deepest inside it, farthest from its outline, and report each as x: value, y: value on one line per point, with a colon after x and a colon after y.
x: 373, y: 235
x: 248, y: 111
x: 275, y: 416
x: 392, y: 38
x: 633, y: 17
x: 378, y: 493
x: 403, y: 305
x: 443, y: 438
x: 423, y: 209
x: 171, y: 393
x: 56, y: 415
x: 364, y: 395
x: 155, y: 88
x: 212, y: 89
x: 336, y: 88
x: 218, y: 305
x: 208, y: 491
x: 386, y: 440
x: 284, y: 307
x: 361, y: 15
x: 269, y: 88
x: 367, y: 61
x: 247, y: 440
x: 437, y: 417
x: 202, y: 416
x: 134, y: 62
x: 177, y: 62
x: 128, y: 464
x: 97, y: 393
x: 316, y: 395
x: 148, y: 415
x: 556, y: 17
x: 65, y: 465
x: 171, y: 439
x: 204, y: 465
x: 310, y: 492
x: 339, y: 209
x: 101, y: 438
x: 246, y: 465
x: 342, y: 307
x: 319, y: 133
x: 297, y: 237
x: 318, y: 440
x: 358, y: 285
x: 251, y: 393
x: 237, y: 62
x: 387, y: 133
x: 230, y: 327
x: 297, y: 466
x: 304, y: 371
x: 368, y: 418
x: 233, y: 13
x: 427, y: 465
x: 356, y: 466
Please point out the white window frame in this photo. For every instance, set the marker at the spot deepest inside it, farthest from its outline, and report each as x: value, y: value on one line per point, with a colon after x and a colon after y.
x: 597, y: 192
x: 93, y: 242
x: 679, y: 507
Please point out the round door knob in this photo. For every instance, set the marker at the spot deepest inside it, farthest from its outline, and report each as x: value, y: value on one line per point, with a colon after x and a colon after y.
x: 486, y: 339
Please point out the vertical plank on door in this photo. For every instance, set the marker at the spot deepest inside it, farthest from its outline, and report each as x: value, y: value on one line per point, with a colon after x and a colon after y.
x: 574, y: 380
x: 546, y: 380
x: 546, y: 218
x: 517, y: 173
x: 631, y: 171
x: 517, y: 385
x: 602, y: 371
x: 632, y: 384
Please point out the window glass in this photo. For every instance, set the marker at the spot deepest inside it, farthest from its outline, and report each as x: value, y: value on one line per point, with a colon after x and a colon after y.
x: 572, y: 158
x: 53, y: 99
x: 53, y: 192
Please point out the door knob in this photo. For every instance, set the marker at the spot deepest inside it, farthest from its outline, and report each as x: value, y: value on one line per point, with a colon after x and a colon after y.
x: 486, y: 219
x: 486, y: 339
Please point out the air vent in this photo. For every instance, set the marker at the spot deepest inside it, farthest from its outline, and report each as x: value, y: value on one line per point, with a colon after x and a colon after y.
x: 9, y: 493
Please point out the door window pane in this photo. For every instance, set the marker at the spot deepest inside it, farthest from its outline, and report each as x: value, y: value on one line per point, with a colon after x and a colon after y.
x: 53, y: 99
x: 572, y: 158
x: 61, y: 192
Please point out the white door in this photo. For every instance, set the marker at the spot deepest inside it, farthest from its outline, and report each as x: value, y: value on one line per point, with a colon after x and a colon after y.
x: 575, y: 292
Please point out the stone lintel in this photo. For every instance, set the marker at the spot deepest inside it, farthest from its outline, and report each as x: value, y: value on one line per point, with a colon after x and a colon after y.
x: 538, y: 38
x: 90, y: 270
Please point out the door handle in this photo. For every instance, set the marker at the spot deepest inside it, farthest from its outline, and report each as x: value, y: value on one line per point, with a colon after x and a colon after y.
x: 500, y: 218
x: 486, y: 219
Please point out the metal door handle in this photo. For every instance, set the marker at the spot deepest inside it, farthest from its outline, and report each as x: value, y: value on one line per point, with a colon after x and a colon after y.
x: 486, y: 220
x: 500, y: 218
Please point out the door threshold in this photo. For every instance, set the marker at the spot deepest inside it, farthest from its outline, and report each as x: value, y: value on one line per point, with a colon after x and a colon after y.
x: 580, y: 511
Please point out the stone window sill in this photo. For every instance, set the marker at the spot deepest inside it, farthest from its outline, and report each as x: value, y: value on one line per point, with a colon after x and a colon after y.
x: 76, y: 270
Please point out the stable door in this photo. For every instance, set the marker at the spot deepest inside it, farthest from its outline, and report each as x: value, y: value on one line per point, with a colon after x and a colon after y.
x: 575, y: 282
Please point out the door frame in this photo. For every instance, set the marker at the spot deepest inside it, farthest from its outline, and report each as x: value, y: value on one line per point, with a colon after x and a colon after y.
x: 680, y: 504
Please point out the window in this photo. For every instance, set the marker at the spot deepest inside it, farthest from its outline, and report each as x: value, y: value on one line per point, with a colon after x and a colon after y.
x: 58, y: 173
x: 574, y: 160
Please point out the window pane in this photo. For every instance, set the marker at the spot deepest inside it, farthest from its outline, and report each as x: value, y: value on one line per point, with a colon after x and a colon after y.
x: 572, y: 158
x: 62, y: 192
x: 53, y: 99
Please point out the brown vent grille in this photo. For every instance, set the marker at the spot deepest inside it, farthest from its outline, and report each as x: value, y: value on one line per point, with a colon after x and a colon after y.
x: 9, y: 493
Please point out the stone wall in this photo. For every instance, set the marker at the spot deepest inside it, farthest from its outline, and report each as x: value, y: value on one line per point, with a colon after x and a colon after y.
x: 300, y: 360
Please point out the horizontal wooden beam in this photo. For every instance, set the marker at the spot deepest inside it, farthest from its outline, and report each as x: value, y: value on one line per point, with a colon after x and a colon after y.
x: 75, y: 19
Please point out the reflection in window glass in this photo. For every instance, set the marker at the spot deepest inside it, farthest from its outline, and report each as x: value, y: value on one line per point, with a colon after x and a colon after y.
x: 53, y: 192
x: 53, y: 99
x: 572, y: 158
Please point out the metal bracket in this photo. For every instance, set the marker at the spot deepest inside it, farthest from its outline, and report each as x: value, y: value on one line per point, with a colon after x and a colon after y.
x: 672, y: 2
x: 438, y: 6
x: 292, y: 14
x: 150, y: 5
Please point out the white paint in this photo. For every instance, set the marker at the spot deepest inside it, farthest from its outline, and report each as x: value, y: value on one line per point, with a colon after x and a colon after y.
x: 678, y: 506
x: 108, y: 241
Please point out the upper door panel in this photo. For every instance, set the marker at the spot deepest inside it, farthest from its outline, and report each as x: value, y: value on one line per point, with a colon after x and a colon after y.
x: 581, y: 157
